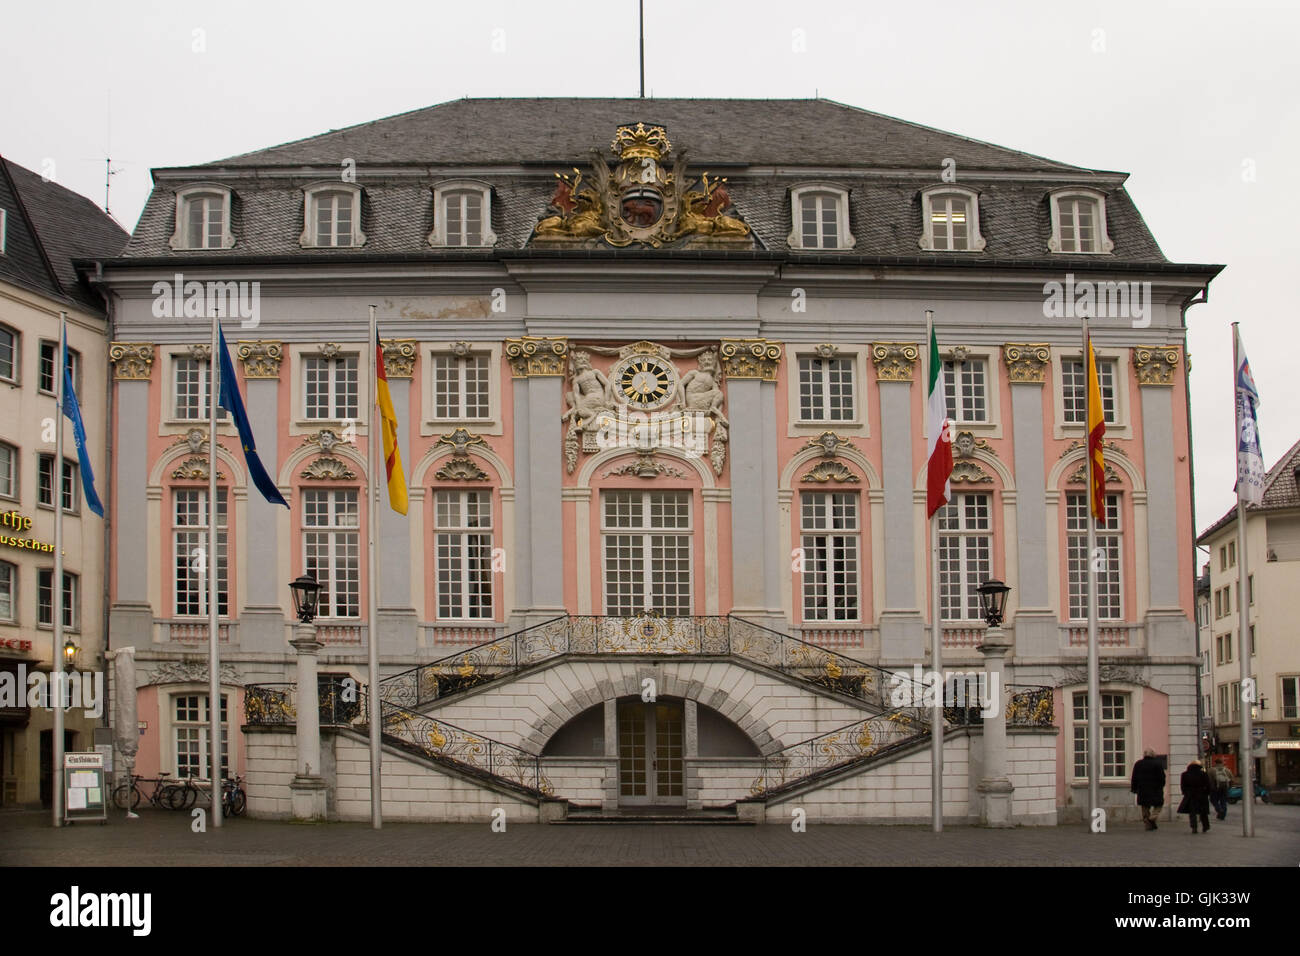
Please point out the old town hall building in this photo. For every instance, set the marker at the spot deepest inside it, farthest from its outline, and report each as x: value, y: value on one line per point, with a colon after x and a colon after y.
x: 658, y: 371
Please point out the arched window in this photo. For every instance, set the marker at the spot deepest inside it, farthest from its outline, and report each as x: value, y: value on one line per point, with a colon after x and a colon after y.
x: 819, y: 215
x: 462, y: 214
x: 1079, y: 222
x: 332, y: 216
x: 203, y: 218
x: 950, y: 220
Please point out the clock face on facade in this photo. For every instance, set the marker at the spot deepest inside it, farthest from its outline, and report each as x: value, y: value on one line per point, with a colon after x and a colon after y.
x: 644, y: 381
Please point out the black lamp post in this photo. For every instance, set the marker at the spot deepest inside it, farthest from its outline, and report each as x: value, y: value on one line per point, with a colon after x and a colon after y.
x: 306, y: 594
x: 993, y: 598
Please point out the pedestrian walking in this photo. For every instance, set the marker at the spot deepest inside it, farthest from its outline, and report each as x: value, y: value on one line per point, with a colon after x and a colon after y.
x: 1220, y: 781
x: 1148, y: 783
x: 1195, y: 784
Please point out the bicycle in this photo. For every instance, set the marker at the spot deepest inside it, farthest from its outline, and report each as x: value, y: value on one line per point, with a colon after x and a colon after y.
x: 183, y: 796
x: 129, y: 791
x: 233, y: 799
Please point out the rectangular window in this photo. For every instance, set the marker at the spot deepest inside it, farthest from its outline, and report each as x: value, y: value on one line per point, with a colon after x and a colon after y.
x: 45, y: 483
x: 831, y: 546
x: 1109, y: 602
x: 1250, y: 588
x: 966, y: 387
x: 1114, y: 736
x: 203, y: 226
x: 192, y: 389
x: 45, y: 376
x: 1224, y: 705
x: 1252, y: 640
x: 819, y: 221
x: 331, y: 388
x: 332, y: 549
x: 8, y: 588
x: 965, y: 555
x: 1235, y: 698
x: 8, y: 471
x: 464, y: 212
x: 1218, y: 605
x: 1232, y: 554
x: 647, y: 545
x: 460, y: 386
x: 463, y: 539
x: 1078, y: 225
x: 948, y: 223
x: 1290, y: 698
x: 826, y: 389
x: 45, y: 599
x: 189, y: 552
x: 8, y: 354
x: 1074, y: 386
x: 1205, y: 662
x: 334, y: 219
x: 192, y: 736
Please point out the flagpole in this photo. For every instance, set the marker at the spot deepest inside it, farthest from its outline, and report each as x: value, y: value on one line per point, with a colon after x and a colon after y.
x: 936, y: 632
x: 1094, y: 663
x: 56, y: 585
x: 211, y: 567
x: 372, y: 493
x: 1245, y: 745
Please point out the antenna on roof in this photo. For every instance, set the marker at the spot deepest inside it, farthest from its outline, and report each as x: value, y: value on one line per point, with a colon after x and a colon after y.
x: 641, y: 9
x: 109, y: 171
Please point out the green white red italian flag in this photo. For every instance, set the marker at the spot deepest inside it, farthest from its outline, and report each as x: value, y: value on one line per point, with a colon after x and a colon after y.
x: 938, y: 440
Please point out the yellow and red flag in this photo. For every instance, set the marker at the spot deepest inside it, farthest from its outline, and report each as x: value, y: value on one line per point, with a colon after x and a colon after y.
x: 1096, y: 431
x: 392, y: 455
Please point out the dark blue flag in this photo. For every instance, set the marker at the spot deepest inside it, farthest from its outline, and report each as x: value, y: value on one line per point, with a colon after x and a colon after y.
x: 230, y: 400
x: 73, y: 411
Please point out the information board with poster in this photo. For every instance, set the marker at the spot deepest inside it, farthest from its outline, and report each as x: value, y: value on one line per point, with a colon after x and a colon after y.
x: 84, y: 796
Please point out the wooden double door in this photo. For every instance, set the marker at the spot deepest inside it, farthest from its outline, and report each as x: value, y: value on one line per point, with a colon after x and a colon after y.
x: 650, y: 744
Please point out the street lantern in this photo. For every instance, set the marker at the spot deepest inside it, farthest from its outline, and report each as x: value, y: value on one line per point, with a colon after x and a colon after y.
x: 70, y: 653
x: 306, y: 592
x: 993, y: 598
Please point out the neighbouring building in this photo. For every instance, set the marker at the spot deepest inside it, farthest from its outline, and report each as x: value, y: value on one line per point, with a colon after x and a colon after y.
x: 658, y: 367
x: 44, y: 229
x: 1272, y: 553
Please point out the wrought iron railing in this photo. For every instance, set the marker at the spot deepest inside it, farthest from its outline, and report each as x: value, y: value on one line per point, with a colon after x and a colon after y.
x: 443, y: 741
x: 869, y: 737
x: 1030, y: 706
x: 341, y: 703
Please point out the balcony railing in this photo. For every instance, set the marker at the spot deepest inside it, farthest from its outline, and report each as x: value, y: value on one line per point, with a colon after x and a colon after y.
x: 341, y: 703
x: 194, y: 630
x: 1116, y: 634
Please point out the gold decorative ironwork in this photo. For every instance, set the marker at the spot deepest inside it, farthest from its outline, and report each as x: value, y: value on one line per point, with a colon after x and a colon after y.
x: 895, y: 361
x: 830, y: 471
x: 132, y: 361
x: 750, y: 358
x: 1027, y: 363
x: 399, y: 357
x: 328, y: 468
x: 260, y: 359
x: 536, y: 355
x: 460, y: 468
x: 1155, y: 366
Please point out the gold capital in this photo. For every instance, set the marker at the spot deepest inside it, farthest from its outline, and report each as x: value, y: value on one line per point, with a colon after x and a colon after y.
x: 132, y: 361
x: 1155, y: 366
x: 261, y: 359
x: 536, y: 355
x: 1027, y: 362
x: 750, y: 358
x: 895, y: 361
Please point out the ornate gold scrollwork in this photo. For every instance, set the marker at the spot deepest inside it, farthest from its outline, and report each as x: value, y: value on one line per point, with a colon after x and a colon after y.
x: 1155, y: 366
x: 1027, y: 363
x: 132, y: 361
x: 750, y: 358
x: 536, y: 355
x: 895, y: 361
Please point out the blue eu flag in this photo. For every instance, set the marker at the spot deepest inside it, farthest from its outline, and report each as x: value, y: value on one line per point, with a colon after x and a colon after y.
x: 73, y: 411
x: 230, y: 400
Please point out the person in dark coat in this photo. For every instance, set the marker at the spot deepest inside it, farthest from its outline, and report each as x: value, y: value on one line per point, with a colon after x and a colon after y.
x: 1195, y: 784
x: 1149, y: 784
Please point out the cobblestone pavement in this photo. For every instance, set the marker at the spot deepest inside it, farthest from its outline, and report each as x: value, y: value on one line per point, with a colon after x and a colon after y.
x: 160, y: 838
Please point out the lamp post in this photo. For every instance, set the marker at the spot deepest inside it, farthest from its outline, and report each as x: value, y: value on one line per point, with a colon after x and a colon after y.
x: 994, y: 788
x: 308, y: 787
x: 70, y: 652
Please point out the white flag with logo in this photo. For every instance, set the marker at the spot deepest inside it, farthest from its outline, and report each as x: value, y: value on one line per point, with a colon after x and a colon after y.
x: 1250, y: 460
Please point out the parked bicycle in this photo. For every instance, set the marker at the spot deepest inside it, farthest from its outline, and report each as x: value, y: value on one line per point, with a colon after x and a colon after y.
x: 130, y: 792
x: 233, y: 799
x: 183, y: 796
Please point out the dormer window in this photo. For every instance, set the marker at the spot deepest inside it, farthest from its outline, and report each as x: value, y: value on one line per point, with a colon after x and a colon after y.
x: 951, y: 220
x: 332, y: 216
x: 819, y: 214
x: 203, y: 218
x: 1079, y: 222
x: 462, y: 215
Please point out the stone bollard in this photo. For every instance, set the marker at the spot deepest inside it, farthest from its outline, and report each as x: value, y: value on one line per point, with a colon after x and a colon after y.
x: 308, y: 786
x: 994, y: 787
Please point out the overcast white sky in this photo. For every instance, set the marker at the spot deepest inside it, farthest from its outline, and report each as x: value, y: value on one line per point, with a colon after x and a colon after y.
x: 1197, y: 99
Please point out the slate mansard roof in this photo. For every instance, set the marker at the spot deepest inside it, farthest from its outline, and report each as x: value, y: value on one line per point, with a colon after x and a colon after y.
x: 1281, y: 491
x: 764, y: 147
x: 48, y: 228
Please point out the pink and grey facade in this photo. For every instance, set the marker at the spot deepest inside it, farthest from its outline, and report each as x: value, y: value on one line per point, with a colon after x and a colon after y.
x: 664, y: 402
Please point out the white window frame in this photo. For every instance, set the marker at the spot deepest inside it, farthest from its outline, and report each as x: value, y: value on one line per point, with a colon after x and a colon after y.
x: 14, y: 472
x: 1119, y: 770
x: 16, y: 340
x: 821, y: 388
x: 965, y: 586
x: 858, y: 426
x: 312, y: 195
x: 430, y: 423
x: 1103, y: 534
x: 647, y: 531
x: 1122, y: 426
x: 200, y: 731
x: 463, y: 556
x: 180, y: 239
x: 844, y: 228
x: 833, y: 556
x: 336, y: 534
x: 69, y: 476
x: 442, y: 193
x: 74, y: 360
x: 73, y: 591
x: 194, y: 581
x: 9, y: 591
x: 460, y: 364
x: 974, y: 239
x: 1073, y: 195
x: 1294, y: 712
x: 334, y: 364
x: 953, y: 371
x: 169, y: 417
